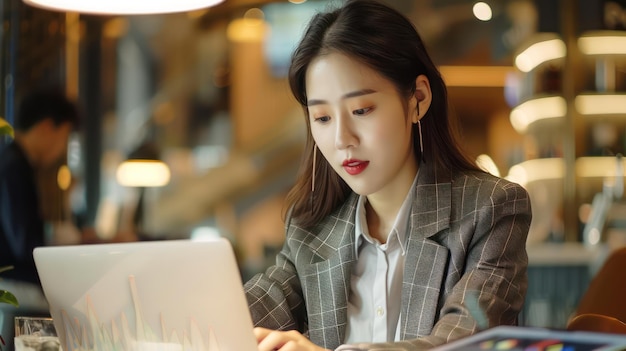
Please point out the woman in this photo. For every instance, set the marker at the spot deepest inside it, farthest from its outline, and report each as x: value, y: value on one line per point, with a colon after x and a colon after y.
x: 394, y: 240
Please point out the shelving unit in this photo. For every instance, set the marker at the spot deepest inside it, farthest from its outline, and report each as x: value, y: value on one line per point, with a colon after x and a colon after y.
x: 572, y: 111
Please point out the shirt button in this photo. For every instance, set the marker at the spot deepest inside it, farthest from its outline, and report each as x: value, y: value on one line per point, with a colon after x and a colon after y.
x: 380, y: 311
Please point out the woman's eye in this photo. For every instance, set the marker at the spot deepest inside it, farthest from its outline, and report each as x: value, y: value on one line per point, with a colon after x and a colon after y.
x: 322, y: 119
x: 362, y: 111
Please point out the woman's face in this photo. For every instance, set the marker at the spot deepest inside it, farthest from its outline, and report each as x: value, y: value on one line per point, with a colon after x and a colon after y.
x: 361, y: 125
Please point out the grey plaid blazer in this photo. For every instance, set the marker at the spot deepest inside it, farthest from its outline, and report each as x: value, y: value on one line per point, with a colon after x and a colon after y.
x: 467, y: 240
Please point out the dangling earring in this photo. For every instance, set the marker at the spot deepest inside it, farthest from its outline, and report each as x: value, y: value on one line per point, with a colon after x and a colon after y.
x: 313, y: 173
x: 313, y: 177
x: 419, y: 130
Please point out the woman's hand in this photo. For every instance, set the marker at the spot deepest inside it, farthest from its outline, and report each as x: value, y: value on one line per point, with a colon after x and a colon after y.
x: 274, y: 340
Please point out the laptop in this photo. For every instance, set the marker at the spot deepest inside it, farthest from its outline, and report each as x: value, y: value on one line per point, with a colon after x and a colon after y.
x: 536, y: 339
x: 159, y: 295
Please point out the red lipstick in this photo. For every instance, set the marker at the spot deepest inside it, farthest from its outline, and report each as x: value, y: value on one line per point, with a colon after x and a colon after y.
x: 354, y: 167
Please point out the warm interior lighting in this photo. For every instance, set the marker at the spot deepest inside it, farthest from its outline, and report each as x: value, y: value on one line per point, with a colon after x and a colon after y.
x: 603, y: 43
x: 531, y: 111
x: 593, y: 104
x: 143, y: 173
x: 486, y: 164
x: 482, y: 11
x: 598, y: 167
x: 538, y: 169
x: 64, y: 177
x: 115, y: 28
x: 251, y: 28
x: 123, y: 7
x: 553, y: 168
x: 539, y: 53
x: 475, y: 76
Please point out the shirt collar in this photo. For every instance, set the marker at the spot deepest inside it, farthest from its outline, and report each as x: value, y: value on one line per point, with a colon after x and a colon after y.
x: 400, y: 227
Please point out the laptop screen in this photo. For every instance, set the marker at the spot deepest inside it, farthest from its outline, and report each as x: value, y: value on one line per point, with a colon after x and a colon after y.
x: 133, y: 296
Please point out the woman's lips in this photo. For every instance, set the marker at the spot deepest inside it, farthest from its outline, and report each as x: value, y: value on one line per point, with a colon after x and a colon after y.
x: 354, y: 167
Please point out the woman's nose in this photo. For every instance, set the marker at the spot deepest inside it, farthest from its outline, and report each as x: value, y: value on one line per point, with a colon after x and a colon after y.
x: 345, y: 136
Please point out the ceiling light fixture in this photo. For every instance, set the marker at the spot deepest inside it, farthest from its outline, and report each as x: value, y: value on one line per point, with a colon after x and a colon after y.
x: 598, y: 167
x: 539, y: 169
x: 123, y: 7
x: 482, y: 11
x: 252, y: 28
x: 143, y: 173
x: 537, y: 109
x: 543, y: 169
x: 542, y: 51
x: 143, y: 168
x: 603, y: 43
x: 486, y: 163
x: 601, y: 104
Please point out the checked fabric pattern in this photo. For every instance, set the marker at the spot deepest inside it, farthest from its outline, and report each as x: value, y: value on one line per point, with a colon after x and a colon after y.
x: 467, y: 239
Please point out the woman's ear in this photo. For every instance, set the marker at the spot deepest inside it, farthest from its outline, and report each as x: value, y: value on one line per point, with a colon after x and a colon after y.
x: 423, y: 97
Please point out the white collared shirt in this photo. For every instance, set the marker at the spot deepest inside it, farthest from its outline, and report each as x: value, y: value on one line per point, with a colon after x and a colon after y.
x: 376, y: 282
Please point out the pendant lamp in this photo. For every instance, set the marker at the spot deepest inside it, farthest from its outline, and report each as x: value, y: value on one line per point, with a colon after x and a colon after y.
x: 123, y: 7
x: 143, y: 168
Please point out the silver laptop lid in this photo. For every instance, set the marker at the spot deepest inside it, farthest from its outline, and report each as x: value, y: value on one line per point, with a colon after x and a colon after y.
x: 165, y: 295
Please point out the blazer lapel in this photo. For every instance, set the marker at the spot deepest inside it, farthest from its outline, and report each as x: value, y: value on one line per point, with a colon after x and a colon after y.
x: 327, y: 283
x: 427, y: 262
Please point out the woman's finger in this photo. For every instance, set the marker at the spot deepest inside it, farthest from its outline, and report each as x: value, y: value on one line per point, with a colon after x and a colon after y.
x: 260, y: 333
x: 270, y: 340
x: 273, y: 340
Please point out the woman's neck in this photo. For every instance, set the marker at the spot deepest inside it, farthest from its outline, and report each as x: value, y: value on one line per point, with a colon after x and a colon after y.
x: 381, y: 210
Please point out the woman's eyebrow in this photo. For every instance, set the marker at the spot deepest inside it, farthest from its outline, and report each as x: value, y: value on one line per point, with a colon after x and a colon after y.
x: 351, y: 94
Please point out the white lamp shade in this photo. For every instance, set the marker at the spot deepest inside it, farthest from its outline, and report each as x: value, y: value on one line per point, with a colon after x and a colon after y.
x: 123, y: 7
x: 537, y: 109
x: 143, y: 173
x: 539, y: 53
x: 601, y: 104
x: 603, y: 43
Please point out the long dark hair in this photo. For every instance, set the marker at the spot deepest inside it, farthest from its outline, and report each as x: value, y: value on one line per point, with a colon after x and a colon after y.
x: 386, y: 41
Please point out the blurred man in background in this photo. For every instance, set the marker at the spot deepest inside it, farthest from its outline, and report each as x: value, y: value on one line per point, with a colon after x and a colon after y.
x: 43, y: 125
